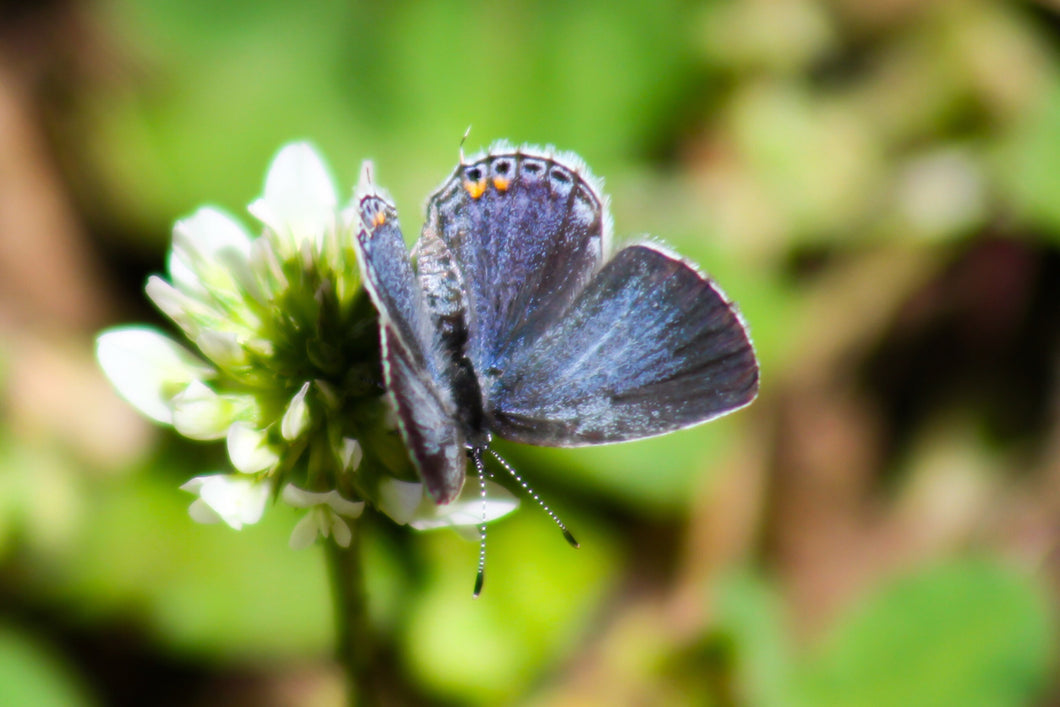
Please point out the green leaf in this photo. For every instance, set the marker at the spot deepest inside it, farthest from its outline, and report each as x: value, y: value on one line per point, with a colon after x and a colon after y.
x: 964, y: 633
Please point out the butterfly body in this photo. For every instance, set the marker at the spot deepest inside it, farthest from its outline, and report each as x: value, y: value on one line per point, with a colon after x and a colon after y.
x: 515, y: 321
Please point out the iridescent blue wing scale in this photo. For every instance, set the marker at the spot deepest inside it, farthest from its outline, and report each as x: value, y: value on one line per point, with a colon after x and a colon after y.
x: 528, y: 230
x: 649, y: 346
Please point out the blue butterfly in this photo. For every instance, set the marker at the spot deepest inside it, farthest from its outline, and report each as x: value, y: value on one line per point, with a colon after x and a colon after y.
x: 517, y: 321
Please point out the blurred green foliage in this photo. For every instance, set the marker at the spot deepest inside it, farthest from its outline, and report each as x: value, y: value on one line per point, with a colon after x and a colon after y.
x: 31, y: 675
x: 831, y: 163
x: 968, y: 633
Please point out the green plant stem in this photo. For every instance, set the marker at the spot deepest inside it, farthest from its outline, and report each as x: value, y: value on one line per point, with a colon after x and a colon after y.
x: 353, y: 632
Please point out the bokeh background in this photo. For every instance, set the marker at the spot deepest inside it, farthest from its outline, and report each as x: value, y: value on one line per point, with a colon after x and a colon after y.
x: 875, y: 182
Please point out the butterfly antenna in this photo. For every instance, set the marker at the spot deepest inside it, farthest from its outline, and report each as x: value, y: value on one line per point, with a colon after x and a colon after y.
x: 462, y: 141
x: 480, y: 577
x: 533, y: 494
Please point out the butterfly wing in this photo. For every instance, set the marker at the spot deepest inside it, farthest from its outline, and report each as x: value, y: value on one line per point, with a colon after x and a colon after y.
x: 426, y: 419
x: 388, y: 277
x: 647, y: 347
x: 528, y: 229
x: 413, y: 366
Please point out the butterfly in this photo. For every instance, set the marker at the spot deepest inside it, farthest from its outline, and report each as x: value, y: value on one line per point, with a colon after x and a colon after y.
x: 512, y: 318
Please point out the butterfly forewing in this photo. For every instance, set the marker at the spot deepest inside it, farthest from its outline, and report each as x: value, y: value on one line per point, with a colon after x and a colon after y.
x: 648, y: 347
x: 527, y: 232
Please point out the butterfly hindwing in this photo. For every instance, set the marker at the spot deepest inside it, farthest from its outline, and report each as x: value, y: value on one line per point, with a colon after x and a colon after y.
x: 413, y: 362
x: 426, y: 419
x: 389, y: 278
x: 649, y: 346
x: 528, y: 230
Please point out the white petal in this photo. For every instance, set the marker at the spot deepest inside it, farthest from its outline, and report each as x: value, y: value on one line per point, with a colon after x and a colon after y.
x: 471, y: 533
x: 225, y: 497
x: 262, y: 347
x: 409, y: 503
x: 342, y: 507
x: 296, y: 418
x: 223, y: 348
x: 351, y: 454
x: 194, y: 484
x: 200, y: 413
x: 400, y: 499
x: 209, y: 232
x: 190, y: 314
x: 350, y: 216
x: 305, y: 531
x: 166, y: 297
x: 468, y: 509
x: 184, y: 278
x: 300, y: 498
x: 211, y: 251
x: 299, y: 201
x: 148, y: 368
x: 340, y: 531
x: 248, y: 449
x: 237, y: 500
x: 201, y: 513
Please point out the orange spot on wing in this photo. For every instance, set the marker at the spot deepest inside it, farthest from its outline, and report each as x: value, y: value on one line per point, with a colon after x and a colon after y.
x: 475, y: 189
x: 501, y: 184
x: 379, y: 219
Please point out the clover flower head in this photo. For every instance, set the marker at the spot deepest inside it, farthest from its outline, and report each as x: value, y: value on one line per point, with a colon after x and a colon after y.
x: 281, y: 361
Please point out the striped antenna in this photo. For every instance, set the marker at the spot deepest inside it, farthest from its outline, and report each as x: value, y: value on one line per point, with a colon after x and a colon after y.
x: 533, y: 494
x: 480, y: 577
x: 462, y: 141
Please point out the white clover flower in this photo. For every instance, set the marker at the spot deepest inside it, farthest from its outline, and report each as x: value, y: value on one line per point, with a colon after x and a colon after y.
x: 148, y: 368
x: 324, y: 518
x: 249, y: 450
x: 237, y: 501
x: 284, y: 366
